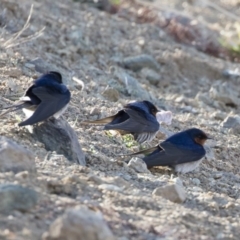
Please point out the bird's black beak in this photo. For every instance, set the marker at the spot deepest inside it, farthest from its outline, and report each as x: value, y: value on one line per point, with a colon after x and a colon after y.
x: 209, y: 137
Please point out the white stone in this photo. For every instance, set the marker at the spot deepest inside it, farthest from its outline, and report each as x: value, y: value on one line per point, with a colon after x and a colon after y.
x: 173, y: 192
x: 196, y: 181
x: 224, y: 92
x: 110, y: 187
x: 79, y: 224
x: 138, y: 165
x: 14, y: 157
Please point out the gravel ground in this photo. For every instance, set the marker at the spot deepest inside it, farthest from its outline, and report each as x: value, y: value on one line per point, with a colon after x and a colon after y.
x: 91, y: 45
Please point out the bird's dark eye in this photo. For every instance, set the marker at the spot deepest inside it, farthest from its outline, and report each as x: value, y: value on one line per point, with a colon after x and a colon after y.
x: 202, y: 137
x: 153, y: 111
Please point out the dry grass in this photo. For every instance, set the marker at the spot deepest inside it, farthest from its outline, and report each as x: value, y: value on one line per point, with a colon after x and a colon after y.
x: 16, y: 39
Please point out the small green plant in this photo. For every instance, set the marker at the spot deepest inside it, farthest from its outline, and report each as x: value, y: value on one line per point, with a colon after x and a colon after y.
x: 115, y: 2
x: 142, y: 147
x: 18, y: 118
x: 231, y: 40
x: 108, y: 133
x: 129, y: 141
x: 92, y: 149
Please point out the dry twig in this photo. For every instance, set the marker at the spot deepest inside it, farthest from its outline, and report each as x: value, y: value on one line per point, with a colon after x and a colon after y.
x: 15, y: 41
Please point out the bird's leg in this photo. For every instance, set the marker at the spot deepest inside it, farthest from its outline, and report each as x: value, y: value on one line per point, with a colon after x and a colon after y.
x: 173, y: 173
x: 51, y: 119
x: 148, y: 144
x: 178, y: 174
x: 143, y: 146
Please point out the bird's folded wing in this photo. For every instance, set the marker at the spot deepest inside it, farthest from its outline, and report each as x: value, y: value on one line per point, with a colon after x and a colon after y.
x: 136, y: 123
x: 51, y: 103
x: 172, y: 155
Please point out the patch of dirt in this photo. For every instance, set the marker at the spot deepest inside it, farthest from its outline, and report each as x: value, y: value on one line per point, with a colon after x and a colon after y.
x: 82, y: 41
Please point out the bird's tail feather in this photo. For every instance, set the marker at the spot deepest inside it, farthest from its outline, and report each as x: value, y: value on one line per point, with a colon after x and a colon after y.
x: 14, y: 108
x: 99, y: 121
x: 145, y: 151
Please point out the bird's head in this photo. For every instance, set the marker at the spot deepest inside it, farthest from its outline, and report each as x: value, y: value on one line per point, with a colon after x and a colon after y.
x: 57, y: 76
x: 152, y: 108
x: 198, y: 135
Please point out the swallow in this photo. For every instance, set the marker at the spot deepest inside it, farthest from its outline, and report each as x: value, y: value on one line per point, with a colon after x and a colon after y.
x: 182, y: 151
x: 136, y: 118
x: 46, y: 97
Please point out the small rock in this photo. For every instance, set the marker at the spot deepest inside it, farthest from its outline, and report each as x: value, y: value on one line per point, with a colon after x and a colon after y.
x: 58, y: 187
x: 110, y: 187
x: 209, y: 152
x: 136, y: 63
x: 138, y: 165
x: 223, y: 184
x: 231, y: 121
x: 218, y: 115
x: 204, y: 97
x: 180, y: 99
x: 225, y: 93
x: 76, y: 36
x: 111, y: 94
x: 41, y: 66
x: 118, y: 181
x: 16, y: 197
x: 150, y: 75
x: 30, y: 66
x: 196, y: 181
x: 79, y: 223
x: 173, y: 192
x: 232, y: 74
x: 103, y: 5
x: 133, y: 87
x: 72, y: 178
x: 230, y: 205
x: 217, y: 176
x: 14, y: 157
x: 95, y: 111
x: 196, y: 189
x: 95, y: 179
x: 211, y: 182
x: 22, y: 175
x: 16, y: 88
x: 177, y: 180
x: 220, y: 236
x: 57, y: 135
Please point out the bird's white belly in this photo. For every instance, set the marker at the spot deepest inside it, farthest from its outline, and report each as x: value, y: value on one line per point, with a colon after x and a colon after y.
x: 187, y: 167
x: 28, y: 112
x: 59, y: 113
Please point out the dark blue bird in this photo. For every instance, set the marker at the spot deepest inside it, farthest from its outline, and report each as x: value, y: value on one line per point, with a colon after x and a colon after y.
x: 47, y: 97
x: 136, y: 118
x: 182, y: 151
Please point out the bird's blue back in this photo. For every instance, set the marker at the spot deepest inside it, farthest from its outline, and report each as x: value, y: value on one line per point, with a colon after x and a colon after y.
x: 143, y: 109
x: 184, y: 141
x: 49, y: 81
